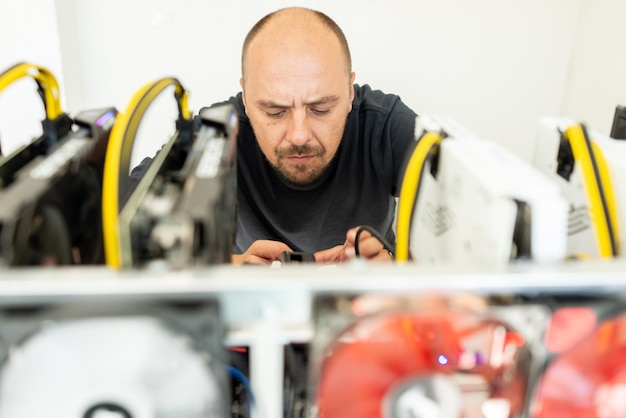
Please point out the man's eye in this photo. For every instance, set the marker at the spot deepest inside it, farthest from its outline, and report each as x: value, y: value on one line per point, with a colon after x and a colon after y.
x: 320, y: 112
x: 275, y: 115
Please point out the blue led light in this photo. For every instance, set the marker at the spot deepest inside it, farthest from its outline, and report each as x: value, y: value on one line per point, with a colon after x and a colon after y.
x: 102, y: 119
x: 443, y: 360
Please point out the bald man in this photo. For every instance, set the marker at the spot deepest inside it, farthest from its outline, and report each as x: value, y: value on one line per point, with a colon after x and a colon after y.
x: 317, y: 155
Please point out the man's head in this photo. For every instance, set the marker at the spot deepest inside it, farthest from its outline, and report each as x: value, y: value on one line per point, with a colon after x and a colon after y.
x: 297, y: 83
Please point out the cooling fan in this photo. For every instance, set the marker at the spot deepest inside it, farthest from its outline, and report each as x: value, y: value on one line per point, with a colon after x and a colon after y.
x: 586, y: 377
x: 160, y: 358
x: 423, y: 362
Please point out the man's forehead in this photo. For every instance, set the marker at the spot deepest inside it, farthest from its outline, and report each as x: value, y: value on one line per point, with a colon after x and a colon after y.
x: 281, y: 38
x: 298, y: 23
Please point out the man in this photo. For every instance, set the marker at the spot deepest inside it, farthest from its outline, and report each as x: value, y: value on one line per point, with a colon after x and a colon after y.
x: 318, y: 156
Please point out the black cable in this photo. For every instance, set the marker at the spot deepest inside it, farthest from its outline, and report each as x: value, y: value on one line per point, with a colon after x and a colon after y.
x: 386, y: 245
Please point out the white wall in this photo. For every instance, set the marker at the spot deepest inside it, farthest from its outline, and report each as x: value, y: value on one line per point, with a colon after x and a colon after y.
x: 28, y: 32
x: 597, y: 80
x: 495, y: 66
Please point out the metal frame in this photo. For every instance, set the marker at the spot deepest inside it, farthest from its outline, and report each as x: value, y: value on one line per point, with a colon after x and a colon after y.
x: 267, y: 307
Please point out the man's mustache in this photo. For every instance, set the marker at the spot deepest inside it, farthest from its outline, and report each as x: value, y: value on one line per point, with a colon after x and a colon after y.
x: 300, y: 150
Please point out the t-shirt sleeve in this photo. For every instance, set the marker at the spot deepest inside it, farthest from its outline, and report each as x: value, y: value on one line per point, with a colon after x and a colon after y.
x: 400, y: 132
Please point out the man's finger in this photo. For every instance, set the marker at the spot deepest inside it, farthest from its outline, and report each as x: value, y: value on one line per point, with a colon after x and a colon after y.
x: 370, y: 246
x: 331, y: 255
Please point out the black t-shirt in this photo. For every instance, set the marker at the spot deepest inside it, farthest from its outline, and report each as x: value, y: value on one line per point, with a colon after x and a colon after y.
x: 358, y: 188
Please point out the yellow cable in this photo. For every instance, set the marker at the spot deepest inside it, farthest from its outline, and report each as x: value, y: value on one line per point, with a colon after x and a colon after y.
x: 599, y: 190
x: 609, y: 195
x: 408, y: 192
x: 46, y: 80
x: 117, y: 160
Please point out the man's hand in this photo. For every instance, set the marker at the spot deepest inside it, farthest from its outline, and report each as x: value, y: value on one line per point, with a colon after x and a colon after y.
x: 261, y: 252
x: 331, y: 255
x: 370, y: 248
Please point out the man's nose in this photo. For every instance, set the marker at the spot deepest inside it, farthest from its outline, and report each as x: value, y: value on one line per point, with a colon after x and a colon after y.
x: 299, y: 128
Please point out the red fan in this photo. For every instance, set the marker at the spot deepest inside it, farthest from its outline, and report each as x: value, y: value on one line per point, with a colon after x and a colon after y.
x: 402, y: 364
x: 589, y: 380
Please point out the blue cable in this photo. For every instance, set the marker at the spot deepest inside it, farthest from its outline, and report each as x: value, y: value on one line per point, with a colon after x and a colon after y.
x: 235, y: 373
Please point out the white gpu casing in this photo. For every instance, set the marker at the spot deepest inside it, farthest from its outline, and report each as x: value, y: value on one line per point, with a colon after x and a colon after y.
x: 581, y: 239
x: 468, y: 213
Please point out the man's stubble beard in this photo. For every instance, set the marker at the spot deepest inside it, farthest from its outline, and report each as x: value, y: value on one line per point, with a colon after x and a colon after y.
x: 300, y: 174
x: 309, y: 178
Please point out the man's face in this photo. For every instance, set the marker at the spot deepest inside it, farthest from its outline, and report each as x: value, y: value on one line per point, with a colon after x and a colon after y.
x: 297, y: 96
